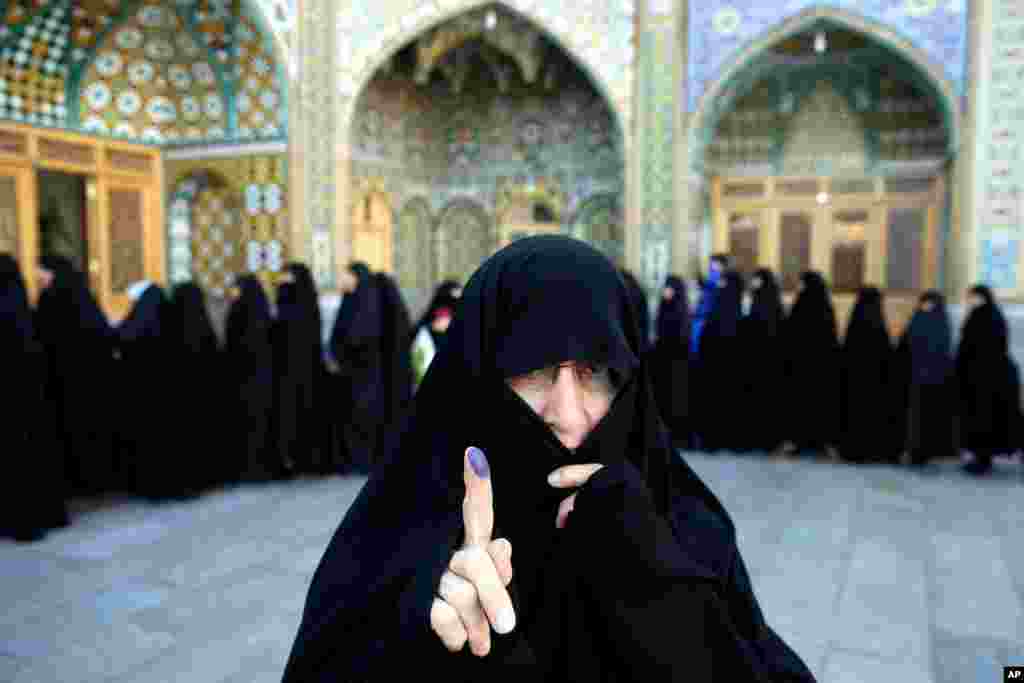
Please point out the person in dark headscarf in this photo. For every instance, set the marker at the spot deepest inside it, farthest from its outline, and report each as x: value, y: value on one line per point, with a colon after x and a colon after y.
x: 762, y: 360
x: 197, y: 383
x: 34, y: 500
x: 146, y: 465
x: 926, y: 398
x: 719, y: 380
x: 543, y: 362
x: 250, y: 359
x: 355, y: 347
x: 670, y: 361
x: 446, y: 296
x: 709, y: 289
x: 812, y: 368
x: 299, y: 439
x: 639, y: 299
x: 79, y: 345
x: 867, y: 384
x: 396, y: 359
x: 988, y: 381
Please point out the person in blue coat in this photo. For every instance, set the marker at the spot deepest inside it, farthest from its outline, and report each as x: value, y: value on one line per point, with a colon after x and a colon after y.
x: 708, y: 297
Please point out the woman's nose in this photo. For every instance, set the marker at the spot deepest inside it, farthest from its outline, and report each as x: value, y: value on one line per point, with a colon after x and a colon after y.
x: 564, y: 411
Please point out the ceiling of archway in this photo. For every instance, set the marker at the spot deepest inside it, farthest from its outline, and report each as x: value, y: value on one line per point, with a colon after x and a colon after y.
x: 189, y: 71
x: 720, y: 29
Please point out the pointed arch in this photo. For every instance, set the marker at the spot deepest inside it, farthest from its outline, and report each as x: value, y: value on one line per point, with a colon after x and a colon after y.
x: 716, y: 100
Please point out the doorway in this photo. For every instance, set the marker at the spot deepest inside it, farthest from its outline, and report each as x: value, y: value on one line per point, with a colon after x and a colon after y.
x: 63, y: 216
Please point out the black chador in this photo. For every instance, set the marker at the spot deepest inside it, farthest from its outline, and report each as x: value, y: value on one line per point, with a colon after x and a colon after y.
x: 396, y: 359
x: 639, y: 299
x: 670, y: 361
x: 867, y: 384
x: 719, y: 380
x: 33, y: 501
x: 762, y: 366
x: 250, y: 362
x: 446, y: 296
x: 79, y: 346
x: 927, y: 395
x: 197, y: 387
x: 647, y: 544
x: 299, y: 438
x: 989, y: 383
x: 146, y: 465
x: 812, y: 367
x: 355, y: 347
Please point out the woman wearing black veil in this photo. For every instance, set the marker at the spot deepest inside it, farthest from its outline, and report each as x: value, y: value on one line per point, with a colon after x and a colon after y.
x: 719, y: 369
x: 812, y: 367
x: 147, y: 466
x: 639, y: 299
x: 446, y: 296
x: 298, y: 373
x: 762, y: 365
x: 670, y: 361
x: 988, y: 381
x: 396, y: 359
x: 355, y: 348
x: 250, y: 360
x: 544, y: 371
x: 79, y: 346
x: 927, y: 399
x: 197, y: 384
x: 34, y: 500
x: 867, y: 384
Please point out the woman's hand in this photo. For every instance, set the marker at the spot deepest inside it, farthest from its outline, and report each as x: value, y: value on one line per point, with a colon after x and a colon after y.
x: 570, y: 477
x: 472, y: 593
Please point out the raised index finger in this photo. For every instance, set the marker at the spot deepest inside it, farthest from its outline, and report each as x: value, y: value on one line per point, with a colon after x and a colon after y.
x: 478, y: 506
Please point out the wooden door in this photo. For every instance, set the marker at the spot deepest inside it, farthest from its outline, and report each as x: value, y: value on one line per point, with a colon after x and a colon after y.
x: 18, y: 234
x: 371, y: 232
x: 124, y: 240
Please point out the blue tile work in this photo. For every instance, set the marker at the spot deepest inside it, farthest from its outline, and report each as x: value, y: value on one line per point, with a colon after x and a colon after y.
x: 720, y: 29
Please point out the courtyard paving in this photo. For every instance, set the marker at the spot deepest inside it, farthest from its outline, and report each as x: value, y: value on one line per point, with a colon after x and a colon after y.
x: 874, y: 574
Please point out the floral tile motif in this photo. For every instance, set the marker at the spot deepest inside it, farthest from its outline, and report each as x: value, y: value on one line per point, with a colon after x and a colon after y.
x: 33, y: 64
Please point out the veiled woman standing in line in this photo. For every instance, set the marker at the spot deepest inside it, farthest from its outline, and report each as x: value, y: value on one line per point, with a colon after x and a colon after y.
x: 719, y: 369
x: 33, y: 500
x: 812, y: 368
x: 762, y: 365
x: 670, y: 361
x: 355, y: 347
x: 79, y: 345
x: 867, y: 384
x: 250, y: 359
x: 989, y: 383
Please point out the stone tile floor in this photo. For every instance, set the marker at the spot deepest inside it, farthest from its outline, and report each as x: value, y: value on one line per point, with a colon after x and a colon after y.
x: 874, y: 574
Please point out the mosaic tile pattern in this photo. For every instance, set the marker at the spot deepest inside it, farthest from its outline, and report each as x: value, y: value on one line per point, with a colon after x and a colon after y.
x: 33, y: 67
x: 719, y: 29
x: 999, y: 178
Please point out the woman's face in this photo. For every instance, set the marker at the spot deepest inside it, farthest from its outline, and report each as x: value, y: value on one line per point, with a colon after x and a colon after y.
x: 457, y: 293
x: 349, y: 281
x: 974, y: 300
x: 668, y: 294
x: 755, y: 283
x: 927, y: 305
x: 571, y: 398
x: 44, y: 278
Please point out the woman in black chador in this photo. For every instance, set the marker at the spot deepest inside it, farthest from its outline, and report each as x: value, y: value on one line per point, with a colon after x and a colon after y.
x: 639, y: 299
x: 250, y: 360
x: 868, y: 384
x: 147, y: 466
x: 927, y: 399
x: 396, y: 359
x: 299, y: 439
x: 79, y: 346
x: 34, y: 500
x: 812, y: 368
x: 197, y: 384
x: 988, y: 381
x: 761, y: 362
x: 551, y: 509
x: 719, y: 370
x: 355, y: 349
x: 670, y: 361
x: 446, y: 296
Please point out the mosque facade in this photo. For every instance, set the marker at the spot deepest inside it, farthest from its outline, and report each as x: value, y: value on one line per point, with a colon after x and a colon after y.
x: 877, y: 141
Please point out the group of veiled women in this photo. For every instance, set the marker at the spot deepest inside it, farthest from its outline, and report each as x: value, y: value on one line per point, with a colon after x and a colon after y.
x: 158, y: 406
x: 741, y: 374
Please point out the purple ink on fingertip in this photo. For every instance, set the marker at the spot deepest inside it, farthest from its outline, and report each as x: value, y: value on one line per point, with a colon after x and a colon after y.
x: 478, y: 461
